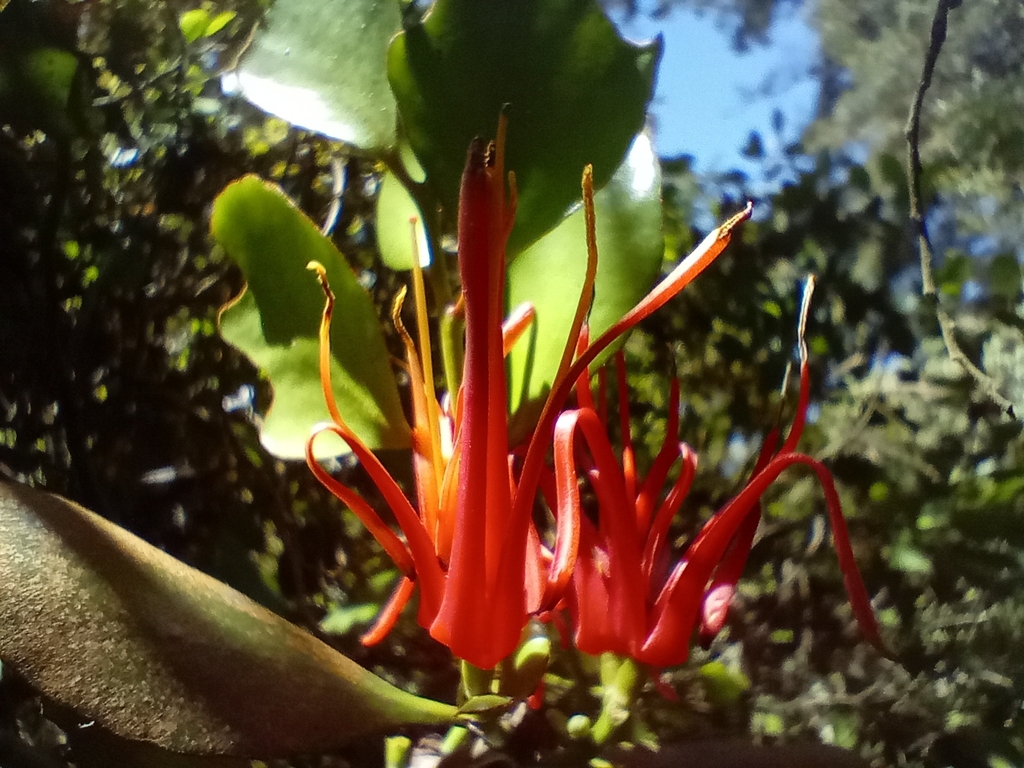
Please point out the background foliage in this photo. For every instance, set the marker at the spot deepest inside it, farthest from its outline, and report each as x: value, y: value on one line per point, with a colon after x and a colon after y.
x: 116, y: 391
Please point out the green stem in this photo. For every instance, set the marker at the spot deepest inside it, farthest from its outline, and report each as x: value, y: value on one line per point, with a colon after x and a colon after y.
x: 397, y: 752
x: 475, y: 681
x: 457, y: 737
x: 619, y: 677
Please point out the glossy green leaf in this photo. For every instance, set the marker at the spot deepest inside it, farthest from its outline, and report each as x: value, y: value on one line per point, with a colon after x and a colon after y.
x: 577, y: 94
x: 549, y: 275
x: 276, y: 320
x: 320, y: 65
x: 157, y: 652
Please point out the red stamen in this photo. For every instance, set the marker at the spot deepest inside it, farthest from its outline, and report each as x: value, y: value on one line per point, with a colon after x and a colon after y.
x: 687, y: 270
x: 678, y: 605
x: 670, y: 451
x: 628, y: 455
x: 657, y: 537
x: 515, y: 326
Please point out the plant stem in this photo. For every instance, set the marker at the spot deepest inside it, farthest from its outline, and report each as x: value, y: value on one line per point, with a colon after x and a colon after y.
x: 913, y: 134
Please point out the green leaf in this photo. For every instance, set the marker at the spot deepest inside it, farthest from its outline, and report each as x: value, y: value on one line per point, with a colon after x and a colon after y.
x: 549, y: 274
x: 485, y: 704
x: 395, y: 207
x: 577, y: 94
x: 276, y: 321
x: 218, y: 22
x: 723, y: 685
x: 906, y: 557
x: 1004, y: 277
x: 342, y: 619
x: 193, y: 24
x: 320, y: 65
x: 157, y: 652
x: 956, y: 270
x: 36, y: 87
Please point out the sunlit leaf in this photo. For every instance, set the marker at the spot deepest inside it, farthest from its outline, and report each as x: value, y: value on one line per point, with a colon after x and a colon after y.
x: 549, y: 274
x: 576, y: 93
x: 320, y: 65
x: 906, y: 557
x: 193, y: 23
x: 158, y: 652
x: 342, y: 619
x: 276, y: 321
x: 218, y: 22
x: 395, y: 208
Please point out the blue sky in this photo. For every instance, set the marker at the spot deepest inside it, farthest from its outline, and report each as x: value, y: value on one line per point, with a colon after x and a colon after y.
x: 709, y: 98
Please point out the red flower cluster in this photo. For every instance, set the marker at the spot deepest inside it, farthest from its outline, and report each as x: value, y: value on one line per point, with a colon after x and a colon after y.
x: 627, y: 595
x: 470, y: 542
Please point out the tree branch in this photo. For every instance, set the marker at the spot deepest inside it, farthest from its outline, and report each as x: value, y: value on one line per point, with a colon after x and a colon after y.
x: 913, y: 133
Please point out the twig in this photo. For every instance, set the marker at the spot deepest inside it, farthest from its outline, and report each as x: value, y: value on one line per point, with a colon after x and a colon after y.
x: 913, y: 135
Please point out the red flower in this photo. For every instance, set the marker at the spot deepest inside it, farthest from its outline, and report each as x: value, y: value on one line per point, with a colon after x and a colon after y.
x: 625, y: 598
x: 470, y: 543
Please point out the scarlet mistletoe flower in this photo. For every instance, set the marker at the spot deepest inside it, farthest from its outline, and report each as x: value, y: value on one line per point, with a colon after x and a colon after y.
x: 624, y: 598
x: 470, y: 543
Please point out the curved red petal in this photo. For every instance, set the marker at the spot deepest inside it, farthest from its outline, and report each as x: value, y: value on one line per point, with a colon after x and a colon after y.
x: 388, y: 616
x: 567, y: 510
x: 715, y: 608
x: 657, y: 536
x: 396, y: 549
x: 628, y: 454
x: 678, y: 604
x: 427, y: 569
x: 687, y: 270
